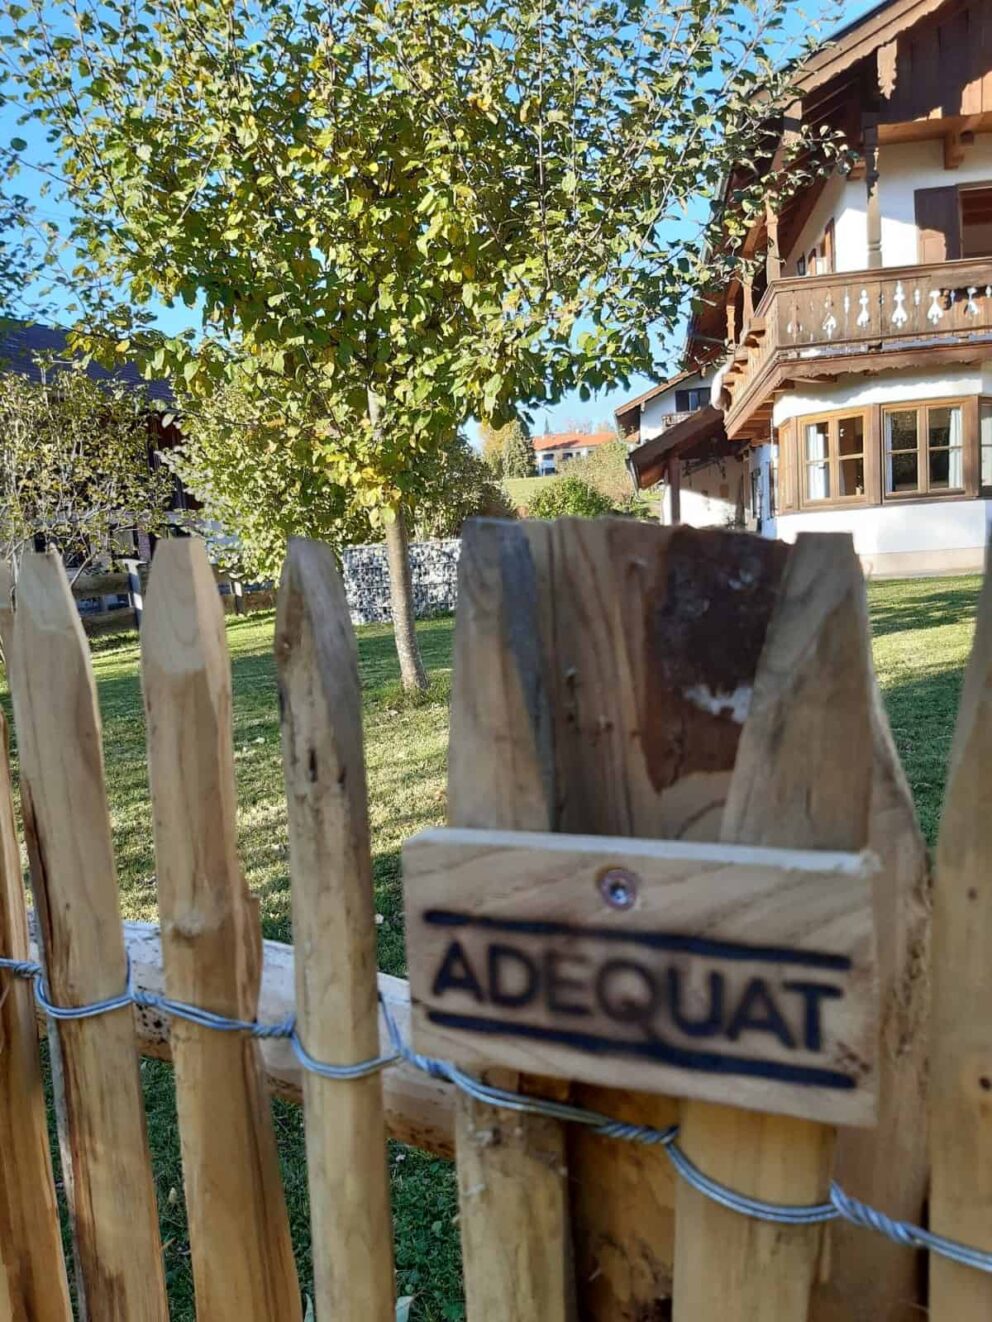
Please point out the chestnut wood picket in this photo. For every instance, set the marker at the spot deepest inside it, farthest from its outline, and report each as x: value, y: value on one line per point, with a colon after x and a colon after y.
x: 611, y: 678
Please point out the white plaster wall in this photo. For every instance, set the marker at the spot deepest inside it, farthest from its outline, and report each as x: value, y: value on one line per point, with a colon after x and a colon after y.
x: 852, y: 391
x: 708, y: 497
x: 655, y: 410
x: 846, y: 202
x: 903, y: 167
x: 941, y: 525
x: 699, y: 510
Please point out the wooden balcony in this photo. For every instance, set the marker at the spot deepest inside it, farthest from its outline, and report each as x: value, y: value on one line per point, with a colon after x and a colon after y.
x: 856, y: 321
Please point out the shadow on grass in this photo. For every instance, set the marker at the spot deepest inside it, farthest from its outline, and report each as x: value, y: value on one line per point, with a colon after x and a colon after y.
x: 922, y: 604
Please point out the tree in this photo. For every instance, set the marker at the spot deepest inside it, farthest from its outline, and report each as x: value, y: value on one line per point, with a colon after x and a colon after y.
x: 246, y: 477
x: 74, y: 465
x: 508, y: 450
x: 403, y: 212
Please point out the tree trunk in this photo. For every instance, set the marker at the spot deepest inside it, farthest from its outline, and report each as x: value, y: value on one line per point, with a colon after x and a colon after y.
x: 412, y: 671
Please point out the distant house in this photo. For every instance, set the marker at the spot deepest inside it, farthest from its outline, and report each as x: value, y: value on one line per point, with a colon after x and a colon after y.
x: 677, y: 438
x: 853, y: 368
x: 554, y: 450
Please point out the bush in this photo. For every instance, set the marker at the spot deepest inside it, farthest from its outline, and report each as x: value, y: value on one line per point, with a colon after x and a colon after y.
x: 606, y: 470
x: 569, y: 495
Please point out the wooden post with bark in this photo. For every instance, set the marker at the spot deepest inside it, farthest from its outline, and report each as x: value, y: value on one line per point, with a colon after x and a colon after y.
x: 334, y: 933
x: 511, y: 1168
x: 961, y: 1041
x: 67, y: 827
x: 802, y: 778
x: 32, y: 1270
x: 239, y: 1230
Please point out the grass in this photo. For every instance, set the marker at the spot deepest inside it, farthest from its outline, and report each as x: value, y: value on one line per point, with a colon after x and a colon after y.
x: 922, y: 632
x: 522, y: 490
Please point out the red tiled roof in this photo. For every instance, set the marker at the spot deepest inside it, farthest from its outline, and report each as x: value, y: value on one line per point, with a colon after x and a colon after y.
x: 568, y: 440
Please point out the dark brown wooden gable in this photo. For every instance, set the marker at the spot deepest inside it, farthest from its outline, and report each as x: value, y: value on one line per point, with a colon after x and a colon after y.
x: 943, y: 65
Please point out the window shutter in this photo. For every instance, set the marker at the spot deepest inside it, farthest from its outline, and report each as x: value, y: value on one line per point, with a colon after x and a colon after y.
x: 938, y: 224
x: 788, y: 495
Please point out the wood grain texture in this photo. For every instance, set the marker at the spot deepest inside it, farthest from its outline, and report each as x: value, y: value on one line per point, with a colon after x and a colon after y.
x: 334, y: 936
x: 239, y: 1232
x: 870, y: 1278
x: 803, y: 778
x: 961, y: 1037
x: 511, y: 1168
x: 653, y: 635
x: 32, y: 1270
x: 67, y: 827
x: 735, y: 968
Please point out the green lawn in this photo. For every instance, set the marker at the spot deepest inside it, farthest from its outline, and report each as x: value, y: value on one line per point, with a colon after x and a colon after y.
x: 522, y: 490
x: 922, y: 636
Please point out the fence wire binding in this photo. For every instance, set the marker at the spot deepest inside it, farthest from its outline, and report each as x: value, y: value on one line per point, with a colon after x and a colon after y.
x: 840, y: 1206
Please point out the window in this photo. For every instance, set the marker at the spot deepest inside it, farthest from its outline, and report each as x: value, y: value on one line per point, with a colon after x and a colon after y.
x: 976, y: 222
x: 756, y: 495
x: 985, y: 439
x: 834, y: 456
x: 829, y: 247
x: 773, y: 483
x: 924, y: 449
x: 688, y: 401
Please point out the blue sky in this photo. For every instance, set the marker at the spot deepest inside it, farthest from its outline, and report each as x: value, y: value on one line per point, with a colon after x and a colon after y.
x: 571, y: 411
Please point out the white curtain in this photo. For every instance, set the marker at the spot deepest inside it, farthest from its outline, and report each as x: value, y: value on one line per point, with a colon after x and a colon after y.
x: 817, y: 473
x: 955, y: 475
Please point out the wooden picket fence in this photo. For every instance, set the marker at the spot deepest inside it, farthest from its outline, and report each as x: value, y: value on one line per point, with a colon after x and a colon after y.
x: 602, y: 674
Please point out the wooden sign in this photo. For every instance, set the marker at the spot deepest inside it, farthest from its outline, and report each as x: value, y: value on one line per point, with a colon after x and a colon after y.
x: 729, y: 973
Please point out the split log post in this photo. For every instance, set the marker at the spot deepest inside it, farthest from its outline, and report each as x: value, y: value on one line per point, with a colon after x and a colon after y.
x: 653, y: 636
x: 32, y: 1270
x: 67, y: 826
x: 239, y: 1230
x: 513, y: 1195
x: 803, y: 779
x: 870, y: 1278
x: 961, y: 1041
x: 334, y: 936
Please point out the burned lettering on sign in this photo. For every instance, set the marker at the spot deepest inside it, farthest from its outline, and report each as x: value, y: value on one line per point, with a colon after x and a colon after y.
x: 715, y: 1006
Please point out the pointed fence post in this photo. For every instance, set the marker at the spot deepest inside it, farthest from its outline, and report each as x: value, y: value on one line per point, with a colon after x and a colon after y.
x: 871, y: 1277
x: 243, y: 1264
x: 802, y: 779
x: 961, y: 1038
x: 32, y: 1270
x: 67, y: 826
x: 334, y: 938
x: 513, y: 1189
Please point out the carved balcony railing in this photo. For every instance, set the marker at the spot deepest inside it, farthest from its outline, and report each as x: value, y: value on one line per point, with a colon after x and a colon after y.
x: 889, y: 311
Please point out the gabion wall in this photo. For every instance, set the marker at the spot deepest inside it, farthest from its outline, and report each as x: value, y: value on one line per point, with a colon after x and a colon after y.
x: 435, y: 576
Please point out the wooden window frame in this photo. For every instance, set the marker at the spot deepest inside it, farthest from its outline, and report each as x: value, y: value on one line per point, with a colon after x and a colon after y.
x: 978, y: 186
x: 984, y: 402
x: 969, y: 449
x: 831, y: 418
